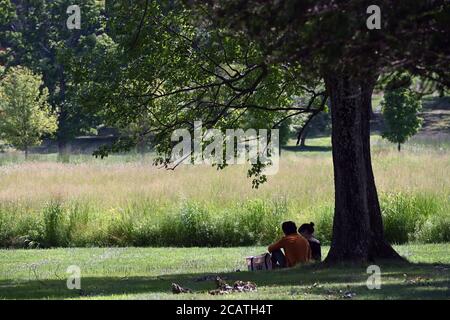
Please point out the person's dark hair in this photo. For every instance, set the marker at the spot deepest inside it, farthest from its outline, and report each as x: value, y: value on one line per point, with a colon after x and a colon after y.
x: 289, y: 227
x: 308, y: 227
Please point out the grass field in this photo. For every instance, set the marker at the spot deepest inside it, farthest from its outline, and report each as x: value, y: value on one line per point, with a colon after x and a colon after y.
x: 147, y: 273
x: 125, y: 201
x: 304, y: 177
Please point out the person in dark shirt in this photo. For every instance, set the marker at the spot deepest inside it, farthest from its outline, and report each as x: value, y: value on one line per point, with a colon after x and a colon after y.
x: 307, y: 231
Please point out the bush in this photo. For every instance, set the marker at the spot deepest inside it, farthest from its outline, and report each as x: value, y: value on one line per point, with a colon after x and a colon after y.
x: 407, y: 218
x: 434, y: 229
x: 6, y: 226
x: 194, y: 224
x: 79, y: 224
x: 189, y: 226
x: 405, y: 215
x: 324, y: 224
x: 20, y: 227
x: 55, y: 233
x: 120, y: 229
x: 259, y: 222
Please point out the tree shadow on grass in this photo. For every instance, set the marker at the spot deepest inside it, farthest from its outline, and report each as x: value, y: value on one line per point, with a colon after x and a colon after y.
x: 413, y: 281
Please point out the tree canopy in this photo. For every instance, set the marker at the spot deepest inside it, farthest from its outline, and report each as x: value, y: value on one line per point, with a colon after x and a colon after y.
x: 35, y: 36
x: 168, y: 72
x: 25, y: 115
x: 400, y: 109
x: 150, y: 67
x: 224, y: 61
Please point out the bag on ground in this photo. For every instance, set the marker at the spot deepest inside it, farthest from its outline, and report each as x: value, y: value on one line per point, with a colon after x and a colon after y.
x: 261, y: 262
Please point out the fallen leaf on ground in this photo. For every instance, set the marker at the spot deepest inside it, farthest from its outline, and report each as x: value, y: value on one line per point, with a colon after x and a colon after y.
x: 239, y: 286
x: 177, y: 289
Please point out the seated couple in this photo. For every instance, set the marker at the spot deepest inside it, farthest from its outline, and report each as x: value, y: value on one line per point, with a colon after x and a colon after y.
x: 298, y: 247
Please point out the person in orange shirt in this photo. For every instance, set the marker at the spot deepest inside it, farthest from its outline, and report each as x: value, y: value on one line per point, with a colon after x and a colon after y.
x: 296, y: 248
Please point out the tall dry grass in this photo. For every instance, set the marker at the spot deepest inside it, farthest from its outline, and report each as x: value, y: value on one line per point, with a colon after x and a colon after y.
x: 305, y: 180
x: 127, y: 201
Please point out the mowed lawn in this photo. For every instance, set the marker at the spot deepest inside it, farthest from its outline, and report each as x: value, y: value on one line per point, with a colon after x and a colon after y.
x: 147, y: 273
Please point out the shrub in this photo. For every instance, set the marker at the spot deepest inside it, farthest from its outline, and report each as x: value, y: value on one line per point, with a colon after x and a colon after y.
x: 407, y: 217
x: 189, y: 225
x: 54, y: 233
x: 404, y: 215
x: 323, y: 220
x: 120, y: 229
x: 79, y: 224
x: 259, y: 222
x: 6, y: 226
x: 434, y: 229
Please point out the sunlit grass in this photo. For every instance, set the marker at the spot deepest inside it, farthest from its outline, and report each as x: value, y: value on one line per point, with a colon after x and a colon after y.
x: 147, y: 273
x: 306, y: 178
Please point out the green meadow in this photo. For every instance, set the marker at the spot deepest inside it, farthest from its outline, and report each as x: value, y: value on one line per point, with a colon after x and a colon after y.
x: 147, y: 273
x: 126, y: 201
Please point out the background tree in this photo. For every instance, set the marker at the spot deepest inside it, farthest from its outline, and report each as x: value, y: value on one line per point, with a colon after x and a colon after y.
x: 25, y: 115
x: 37, y: 37
x: 315, y: 124
x: 400, y: 109
x: 7, y: 14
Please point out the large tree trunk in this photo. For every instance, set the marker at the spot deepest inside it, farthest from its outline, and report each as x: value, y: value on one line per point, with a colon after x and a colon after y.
x: 358, y: 234
x: 379, y: 247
